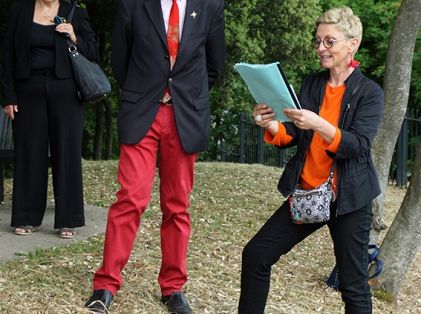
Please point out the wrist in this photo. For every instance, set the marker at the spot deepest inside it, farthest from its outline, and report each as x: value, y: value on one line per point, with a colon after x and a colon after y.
x: 273, y: 128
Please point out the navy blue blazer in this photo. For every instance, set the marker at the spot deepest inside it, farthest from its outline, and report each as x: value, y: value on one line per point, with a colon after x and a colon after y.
x: 16, y: 50
x: 141, y: 65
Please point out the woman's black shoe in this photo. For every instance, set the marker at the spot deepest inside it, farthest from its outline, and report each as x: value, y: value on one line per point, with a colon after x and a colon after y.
x: 176, y: 303
x: 100, y: 301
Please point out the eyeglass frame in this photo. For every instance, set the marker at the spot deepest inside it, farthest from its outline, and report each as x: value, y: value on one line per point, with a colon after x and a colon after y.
x: 316, y: 43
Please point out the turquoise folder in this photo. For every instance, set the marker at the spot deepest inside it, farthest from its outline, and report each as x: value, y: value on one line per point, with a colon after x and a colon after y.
x: 269, y: 85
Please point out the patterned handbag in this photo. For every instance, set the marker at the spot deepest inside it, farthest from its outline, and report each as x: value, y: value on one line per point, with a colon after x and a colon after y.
x: 312, y: 206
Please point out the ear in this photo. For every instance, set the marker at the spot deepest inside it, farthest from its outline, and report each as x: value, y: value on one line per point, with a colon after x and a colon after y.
x: 355, y: 43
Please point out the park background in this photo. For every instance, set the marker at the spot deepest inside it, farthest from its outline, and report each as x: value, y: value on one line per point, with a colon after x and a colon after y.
x: 256, y: 32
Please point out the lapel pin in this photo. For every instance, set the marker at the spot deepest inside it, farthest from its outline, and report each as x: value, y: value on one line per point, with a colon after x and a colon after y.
x: 193, y: 14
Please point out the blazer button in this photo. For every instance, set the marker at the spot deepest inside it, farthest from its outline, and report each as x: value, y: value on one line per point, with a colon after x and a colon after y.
x: 170, y: 79
x: 167, y: 56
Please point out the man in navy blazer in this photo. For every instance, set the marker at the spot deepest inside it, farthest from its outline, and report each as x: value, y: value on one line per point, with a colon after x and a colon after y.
x: 164, y: 120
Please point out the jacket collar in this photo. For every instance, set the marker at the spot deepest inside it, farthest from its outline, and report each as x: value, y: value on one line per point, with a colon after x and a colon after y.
x: 153, y: 7
x: 193, y: 14
x: 194, y: 9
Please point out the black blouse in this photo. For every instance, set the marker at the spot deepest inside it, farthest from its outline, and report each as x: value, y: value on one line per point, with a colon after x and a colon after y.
x: 43, y: 56
x: 17, y: 52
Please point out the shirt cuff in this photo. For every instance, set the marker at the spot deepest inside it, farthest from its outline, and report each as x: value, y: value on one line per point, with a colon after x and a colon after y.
x: 279, y: 139
x: 334, y: 145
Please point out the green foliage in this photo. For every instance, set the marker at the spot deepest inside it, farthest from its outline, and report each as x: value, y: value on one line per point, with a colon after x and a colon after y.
x: 288, y: 27
x: 383, y: 295
x: 415, y: 92
x: 229, y: 96
x: 258, y: 32
x: 102, y: 13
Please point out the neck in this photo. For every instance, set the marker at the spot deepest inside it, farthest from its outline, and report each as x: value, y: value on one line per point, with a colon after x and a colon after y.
x: 339, y: 76
x: 48, y: 3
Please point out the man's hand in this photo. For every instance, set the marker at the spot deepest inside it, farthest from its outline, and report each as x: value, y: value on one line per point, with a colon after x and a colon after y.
x: 10, y: 110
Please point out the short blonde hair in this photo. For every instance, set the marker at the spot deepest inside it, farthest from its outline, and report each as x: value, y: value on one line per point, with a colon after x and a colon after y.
x: 345, y: 19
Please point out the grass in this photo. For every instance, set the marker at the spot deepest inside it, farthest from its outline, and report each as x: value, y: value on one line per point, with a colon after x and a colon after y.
x: 228, y: 205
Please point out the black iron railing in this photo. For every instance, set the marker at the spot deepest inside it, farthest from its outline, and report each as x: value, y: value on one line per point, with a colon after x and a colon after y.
x: 252, y: 148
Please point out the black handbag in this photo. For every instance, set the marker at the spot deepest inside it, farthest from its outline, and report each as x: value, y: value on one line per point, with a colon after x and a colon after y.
x: 91, y: 81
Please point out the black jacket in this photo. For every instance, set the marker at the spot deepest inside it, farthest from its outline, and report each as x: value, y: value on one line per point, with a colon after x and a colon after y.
x: 141, y: 66
x: 361, y: 112
x: 16, y: 50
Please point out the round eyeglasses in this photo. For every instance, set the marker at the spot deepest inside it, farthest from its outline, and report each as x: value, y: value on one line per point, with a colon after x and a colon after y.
x: 327, y: 42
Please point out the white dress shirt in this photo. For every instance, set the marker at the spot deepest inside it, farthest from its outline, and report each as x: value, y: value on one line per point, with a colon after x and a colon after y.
x: 166, y: 9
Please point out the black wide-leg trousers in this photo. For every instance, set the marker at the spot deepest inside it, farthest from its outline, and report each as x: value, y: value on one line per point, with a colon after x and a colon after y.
x: 49, y: 121
x: 350, y: 235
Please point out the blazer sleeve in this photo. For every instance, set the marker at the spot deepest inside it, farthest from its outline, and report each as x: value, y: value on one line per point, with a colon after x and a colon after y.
x: 8, y: 64
x: 121, y: 41
x: 86, y: 40
x: 215, y: 45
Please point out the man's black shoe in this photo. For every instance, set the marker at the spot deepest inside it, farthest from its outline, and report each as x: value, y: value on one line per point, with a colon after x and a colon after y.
x: 176, y: 303
x: 100, y: 301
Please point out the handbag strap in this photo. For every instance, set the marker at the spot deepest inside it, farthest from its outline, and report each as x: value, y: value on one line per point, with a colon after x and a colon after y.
x: 71, y: 13
x: 372, y: 257
x: 71, y: 45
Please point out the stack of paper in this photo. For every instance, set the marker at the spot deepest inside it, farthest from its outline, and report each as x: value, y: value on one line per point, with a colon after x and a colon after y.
x: 268, y: 85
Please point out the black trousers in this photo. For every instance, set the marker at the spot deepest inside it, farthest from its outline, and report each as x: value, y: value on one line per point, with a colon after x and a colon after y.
x: 350, y: 235
x: 49, y: 121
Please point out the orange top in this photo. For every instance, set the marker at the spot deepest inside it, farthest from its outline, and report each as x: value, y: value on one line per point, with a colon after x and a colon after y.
x: 317, y: 164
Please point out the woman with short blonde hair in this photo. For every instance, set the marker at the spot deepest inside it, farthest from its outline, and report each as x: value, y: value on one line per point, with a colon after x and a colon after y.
x: 340, y: 115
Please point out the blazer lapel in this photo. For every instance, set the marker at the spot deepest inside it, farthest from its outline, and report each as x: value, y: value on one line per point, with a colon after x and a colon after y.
x: 193, y: 13
x: 153, y: 7
x: 25, y: 24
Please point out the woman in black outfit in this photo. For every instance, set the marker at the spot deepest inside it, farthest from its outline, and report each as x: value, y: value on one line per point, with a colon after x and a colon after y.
x: 40, y: 96
x: 341, y: 113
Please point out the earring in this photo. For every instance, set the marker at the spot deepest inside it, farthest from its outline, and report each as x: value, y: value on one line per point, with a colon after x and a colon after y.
x: 353, y: 64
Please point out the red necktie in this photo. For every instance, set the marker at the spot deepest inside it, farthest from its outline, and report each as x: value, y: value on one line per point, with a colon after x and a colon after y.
x: 172, y: 40
x: 173, y: 33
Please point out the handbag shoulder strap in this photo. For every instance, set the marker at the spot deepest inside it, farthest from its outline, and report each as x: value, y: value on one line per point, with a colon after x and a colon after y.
x: 69, y: 20
x: 71, y: 13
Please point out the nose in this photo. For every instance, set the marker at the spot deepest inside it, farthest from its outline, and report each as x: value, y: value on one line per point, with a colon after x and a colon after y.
x: 321, y: 47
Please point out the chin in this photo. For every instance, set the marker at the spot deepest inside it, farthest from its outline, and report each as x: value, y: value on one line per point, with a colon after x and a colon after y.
x: 325, y: 65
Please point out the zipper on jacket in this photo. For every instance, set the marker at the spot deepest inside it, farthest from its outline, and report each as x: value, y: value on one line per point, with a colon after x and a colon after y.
x: 348, y: 106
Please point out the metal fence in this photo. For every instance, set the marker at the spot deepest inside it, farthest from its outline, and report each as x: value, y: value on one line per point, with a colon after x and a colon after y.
x: 404, y: 155
x: 252, y: 149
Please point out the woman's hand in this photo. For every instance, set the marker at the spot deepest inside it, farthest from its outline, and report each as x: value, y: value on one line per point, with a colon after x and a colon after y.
x: 10, y: 110
x: 67, y: 28
x: 303, y: 119
x: 263, y: 116
x: 306, y: 119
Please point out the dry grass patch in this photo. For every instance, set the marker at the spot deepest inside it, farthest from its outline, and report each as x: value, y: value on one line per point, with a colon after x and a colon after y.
x: 229, y: 204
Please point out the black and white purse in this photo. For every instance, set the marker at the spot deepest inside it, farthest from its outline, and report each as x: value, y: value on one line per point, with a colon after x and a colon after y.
x: 312, y: 206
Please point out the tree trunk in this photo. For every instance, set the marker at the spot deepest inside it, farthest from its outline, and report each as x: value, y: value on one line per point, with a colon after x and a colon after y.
x: 396, y: 87
x: 108, y: 130
x: 99, y: 131
x: 85, y: 144
x: 404, y: 236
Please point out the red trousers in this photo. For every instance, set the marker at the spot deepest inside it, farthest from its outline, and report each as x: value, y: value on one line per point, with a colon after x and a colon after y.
x: 136, y: 173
